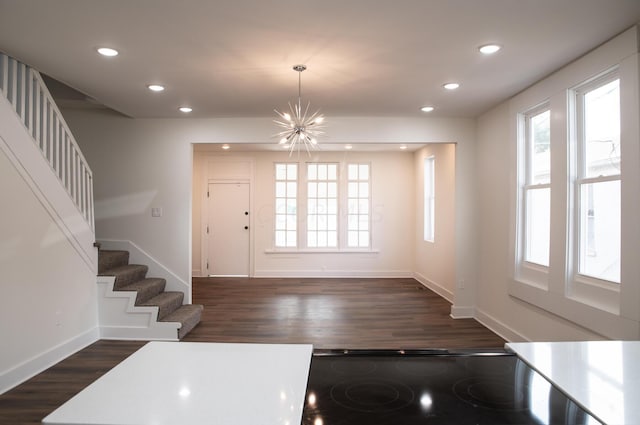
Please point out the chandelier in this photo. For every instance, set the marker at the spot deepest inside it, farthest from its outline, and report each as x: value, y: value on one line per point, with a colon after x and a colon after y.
x: 299, y: 127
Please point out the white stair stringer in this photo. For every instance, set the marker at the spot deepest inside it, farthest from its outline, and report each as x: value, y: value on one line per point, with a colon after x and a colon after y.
x: 120, y: 318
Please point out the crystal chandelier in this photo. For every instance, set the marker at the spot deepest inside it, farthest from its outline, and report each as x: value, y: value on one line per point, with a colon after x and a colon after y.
x: 299, y: 127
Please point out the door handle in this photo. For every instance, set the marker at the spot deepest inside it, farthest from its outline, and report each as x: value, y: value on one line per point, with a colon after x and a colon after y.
x: 246, y: 227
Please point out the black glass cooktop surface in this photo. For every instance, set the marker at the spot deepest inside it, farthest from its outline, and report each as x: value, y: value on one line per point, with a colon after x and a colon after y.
x: 377, y: 387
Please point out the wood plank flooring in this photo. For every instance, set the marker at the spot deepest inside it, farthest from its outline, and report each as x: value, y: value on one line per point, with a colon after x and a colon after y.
x: 329, y: 313
x: 332, y: 313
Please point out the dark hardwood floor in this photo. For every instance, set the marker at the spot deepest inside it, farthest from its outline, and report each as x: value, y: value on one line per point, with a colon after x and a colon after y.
x: 328, y: 313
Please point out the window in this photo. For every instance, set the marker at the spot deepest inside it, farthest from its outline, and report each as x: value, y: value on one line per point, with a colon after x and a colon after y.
x: 334, y: 201
x: 286, y: 205
x: 597, y: 182
x: 322, y: 205
x: 429, y: 198
x: 358, y: 235
x: 536, y: 191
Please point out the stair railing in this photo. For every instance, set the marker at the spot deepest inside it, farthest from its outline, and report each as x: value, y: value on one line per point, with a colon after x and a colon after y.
x: 28, y: 94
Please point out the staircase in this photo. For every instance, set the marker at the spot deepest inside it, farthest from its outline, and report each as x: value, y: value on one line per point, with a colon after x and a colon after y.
x: 131, y: 280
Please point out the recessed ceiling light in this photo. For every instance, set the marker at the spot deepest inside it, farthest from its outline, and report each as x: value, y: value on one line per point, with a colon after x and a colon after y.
x: 226, y: 147
x: 489, y: 49
x: 155, y: 87
x: 403, y: 147
x: 427, y: 108
x: 451, y: 86
x: 107, y: 51
x: 185, y: 109
x: 348, y: 147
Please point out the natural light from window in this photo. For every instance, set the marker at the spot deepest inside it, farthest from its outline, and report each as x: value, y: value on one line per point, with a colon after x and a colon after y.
x: 286, y: 205
x: 429, y: 198
x: 598, y: 183
x: 537, y: 189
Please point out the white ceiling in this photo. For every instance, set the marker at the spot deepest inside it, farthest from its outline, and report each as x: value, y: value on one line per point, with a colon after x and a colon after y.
x: 230, y: 58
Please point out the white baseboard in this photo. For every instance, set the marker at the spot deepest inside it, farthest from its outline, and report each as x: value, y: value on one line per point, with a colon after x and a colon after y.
x: 45, y: 360
x: 505, y: 332
x: 435, y: 287
x: 462, y: 312
x: 346, y: 274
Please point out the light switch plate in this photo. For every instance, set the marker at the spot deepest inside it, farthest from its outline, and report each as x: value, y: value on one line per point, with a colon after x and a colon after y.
x: 156, y: 212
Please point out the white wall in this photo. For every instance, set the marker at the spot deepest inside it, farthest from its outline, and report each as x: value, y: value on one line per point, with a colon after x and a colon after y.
x: 393, y: 208
x: 512, y: 318
x: 495, y: 185
x: 48, y: 305
x: 434, y: 263
x: 140, y: 164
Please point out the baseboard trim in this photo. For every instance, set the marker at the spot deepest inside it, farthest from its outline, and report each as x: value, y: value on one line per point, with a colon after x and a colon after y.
x: 39, y: 363
x: 362, y: 274
x: 462, y: 312
x: 435, y: 287
x: 505, y: 332
x: 156, y: 333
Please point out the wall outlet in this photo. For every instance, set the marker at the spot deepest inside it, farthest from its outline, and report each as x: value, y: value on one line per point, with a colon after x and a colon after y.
x: 461, y: 284
x: 156, y: 212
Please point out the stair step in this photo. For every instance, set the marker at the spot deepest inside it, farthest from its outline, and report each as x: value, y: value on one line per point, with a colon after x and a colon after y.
x: 188, y: 315
x: 126, y: 275
x: 167, y: 303
x: 145, y: 288
x: 110, y: 259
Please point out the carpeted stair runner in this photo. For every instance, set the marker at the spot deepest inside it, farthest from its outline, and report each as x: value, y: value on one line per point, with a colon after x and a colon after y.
x: 150, y: 291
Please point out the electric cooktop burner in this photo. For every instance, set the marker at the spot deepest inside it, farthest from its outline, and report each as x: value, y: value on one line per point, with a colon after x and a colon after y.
x: 380, y: 387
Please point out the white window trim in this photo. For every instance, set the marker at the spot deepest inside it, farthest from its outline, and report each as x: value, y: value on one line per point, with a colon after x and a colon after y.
x: 531, y: 273
x: 622, y: 51
x: 275, y: 180
x: 599, y: 293
x: 344, y: 218
x: 342, y: 180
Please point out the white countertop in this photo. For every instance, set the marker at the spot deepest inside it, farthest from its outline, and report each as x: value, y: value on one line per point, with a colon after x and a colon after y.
x: 601, y: 376
x: 196, y: 383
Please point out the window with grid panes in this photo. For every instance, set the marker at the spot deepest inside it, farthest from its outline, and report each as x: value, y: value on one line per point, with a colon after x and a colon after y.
x: 358, y: 206
x: 286, y: 216
x: 322, y: 205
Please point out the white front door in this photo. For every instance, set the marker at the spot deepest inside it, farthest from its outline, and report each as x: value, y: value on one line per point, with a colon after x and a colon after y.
x: 228, y: 229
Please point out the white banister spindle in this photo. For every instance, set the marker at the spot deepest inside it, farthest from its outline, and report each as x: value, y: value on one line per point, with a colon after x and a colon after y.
x: 13, y: 84
x: 24, y: 88
x: 4, y: 74
x: 91, y: 206
x: 45, y: 128
x: 37, y: 114
x: 50, y: 133
x: 29, y: 97
x: 22, y: 74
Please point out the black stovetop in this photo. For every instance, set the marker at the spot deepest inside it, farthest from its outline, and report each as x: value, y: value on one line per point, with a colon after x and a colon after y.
x: 382, y: 387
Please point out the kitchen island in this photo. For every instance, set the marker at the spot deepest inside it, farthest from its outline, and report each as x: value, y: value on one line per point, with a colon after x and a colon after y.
x: 601, y: 376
